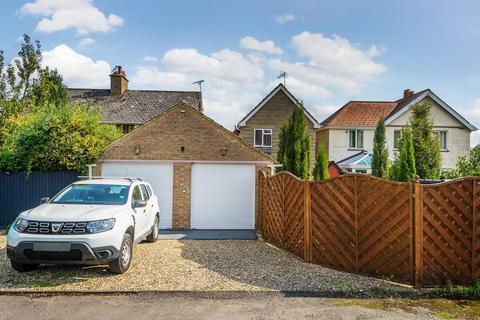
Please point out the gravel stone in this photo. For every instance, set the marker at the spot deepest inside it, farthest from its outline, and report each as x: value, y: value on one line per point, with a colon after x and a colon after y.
x: 196, y: 265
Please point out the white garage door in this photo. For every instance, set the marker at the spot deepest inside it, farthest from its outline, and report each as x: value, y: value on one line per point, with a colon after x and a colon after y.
x: 159, y: 175
x: 223, y: 196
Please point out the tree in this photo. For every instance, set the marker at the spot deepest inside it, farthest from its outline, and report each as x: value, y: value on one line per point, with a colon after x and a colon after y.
x: 403, y: 168
x: 320, y: 171
x: 282, y: 143
x: 294, y: 145
x: 465, y: 166
x: 380, y: 151
x: 65, y: 137
x: 426, y: 146
x: 49, y: 88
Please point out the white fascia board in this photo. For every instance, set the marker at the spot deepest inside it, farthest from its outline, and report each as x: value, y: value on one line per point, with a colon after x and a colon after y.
x: 445, y: 106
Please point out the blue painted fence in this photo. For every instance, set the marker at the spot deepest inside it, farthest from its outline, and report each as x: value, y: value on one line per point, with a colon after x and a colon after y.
x: 20, y: 191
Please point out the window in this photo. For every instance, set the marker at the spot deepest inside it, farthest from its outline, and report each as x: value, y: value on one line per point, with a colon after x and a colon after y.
x: 107, y: 194
x: 149, y: 189
x: 397, y: 134
x: 126, y: 128
x: 262, y: 138
x: 355, y: 139
x: 360, y: 170
x: 442, y: 136
x: 137, y: 194
x: 145, y: 193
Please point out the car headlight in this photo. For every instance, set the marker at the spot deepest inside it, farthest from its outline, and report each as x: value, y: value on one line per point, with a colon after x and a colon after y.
x: 100, y: 225
x: 20, y: 224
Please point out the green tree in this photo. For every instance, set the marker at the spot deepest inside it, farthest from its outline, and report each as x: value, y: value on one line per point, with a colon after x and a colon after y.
x: 294, y: 145
x: 320, y: 171
x: 426, y: 145
x: 282, y: 143
x: 380, y: 151
x: 49, y: 88
x: 54, y: 138
x: 403, y: 168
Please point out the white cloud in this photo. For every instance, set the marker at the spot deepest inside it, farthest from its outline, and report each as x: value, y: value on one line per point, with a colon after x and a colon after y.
x: 150, y: 59
x: 332, y: 64
x: 264, y: 46
x: 81, y: 15
x: 472, y: 114
x: 77, y: 70
x: 86, y: 42
x: 234, y: 83
x: 225, y: 65
x: 285, y: 18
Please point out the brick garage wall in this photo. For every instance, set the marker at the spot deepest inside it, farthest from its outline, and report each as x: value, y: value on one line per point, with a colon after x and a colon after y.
x: 185, y: 134
x: 273, y: 115
x: 182, y: 182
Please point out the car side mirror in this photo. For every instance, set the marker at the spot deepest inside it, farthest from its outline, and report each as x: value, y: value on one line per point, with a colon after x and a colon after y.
x: 44, y: 200
x: 139, y: 203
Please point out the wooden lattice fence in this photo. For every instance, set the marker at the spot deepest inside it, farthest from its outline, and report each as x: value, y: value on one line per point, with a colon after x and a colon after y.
x: 407, y: 232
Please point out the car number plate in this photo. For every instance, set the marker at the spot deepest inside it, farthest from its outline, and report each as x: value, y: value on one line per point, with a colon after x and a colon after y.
x: 51, y: 246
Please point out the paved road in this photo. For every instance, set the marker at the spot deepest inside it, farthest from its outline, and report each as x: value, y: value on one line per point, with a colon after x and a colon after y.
x: 138, y: 307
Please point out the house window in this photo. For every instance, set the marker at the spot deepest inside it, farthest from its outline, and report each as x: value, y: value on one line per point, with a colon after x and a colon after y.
x: 360, y: 170
x: 442, y: 136
x: 397, y: 134
x: 355, y: 139
x: 263, y: 138
x: 126, y: 128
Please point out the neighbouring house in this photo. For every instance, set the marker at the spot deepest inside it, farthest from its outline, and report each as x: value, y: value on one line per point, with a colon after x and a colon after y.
x: 205, y: 175
x: 348, y: 133
x: 261, y: 126
x: 129, y: 109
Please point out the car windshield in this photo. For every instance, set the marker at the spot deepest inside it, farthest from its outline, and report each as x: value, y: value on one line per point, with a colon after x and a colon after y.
x: 108, y: 194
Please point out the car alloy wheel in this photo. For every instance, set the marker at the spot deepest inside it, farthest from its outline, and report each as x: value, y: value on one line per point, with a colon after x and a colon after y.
x: 126, y: 253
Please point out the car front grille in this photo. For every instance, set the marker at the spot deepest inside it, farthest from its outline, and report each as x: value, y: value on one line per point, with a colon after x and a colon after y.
x: 42, y: 227
x: 72, y: 255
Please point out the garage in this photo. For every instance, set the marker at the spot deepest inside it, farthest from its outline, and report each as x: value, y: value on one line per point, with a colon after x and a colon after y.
x: 223, y: 196
x: 204, y: 175
x: 160, y: 176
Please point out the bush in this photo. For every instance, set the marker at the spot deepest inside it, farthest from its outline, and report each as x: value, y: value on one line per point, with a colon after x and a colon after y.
x: 54, y: 138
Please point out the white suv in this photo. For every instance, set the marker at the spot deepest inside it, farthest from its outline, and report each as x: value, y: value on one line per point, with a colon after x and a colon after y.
x: 94, y: 221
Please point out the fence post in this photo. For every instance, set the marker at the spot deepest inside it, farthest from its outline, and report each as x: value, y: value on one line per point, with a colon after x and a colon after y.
x: 307, y: 221
x: 418, y: 232
x: 474, y: 231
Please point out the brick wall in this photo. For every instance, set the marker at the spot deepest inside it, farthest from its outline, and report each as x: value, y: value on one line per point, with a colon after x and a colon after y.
x: 181, y: 195
x: 273, y: 115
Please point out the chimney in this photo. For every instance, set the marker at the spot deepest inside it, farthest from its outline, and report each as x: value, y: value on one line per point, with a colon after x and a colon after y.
x: 407, y: 93
x: 118, y: 82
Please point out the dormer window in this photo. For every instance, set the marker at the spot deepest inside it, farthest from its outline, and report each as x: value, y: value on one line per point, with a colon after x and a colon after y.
x: 262, y: 138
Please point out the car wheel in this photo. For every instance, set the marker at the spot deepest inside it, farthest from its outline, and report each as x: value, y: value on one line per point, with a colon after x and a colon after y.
x: 122, y: 263
x: 153, y: 236
x: 22, y: 267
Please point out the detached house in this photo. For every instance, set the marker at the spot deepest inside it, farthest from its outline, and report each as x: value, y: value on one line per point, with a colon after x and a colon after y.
x: 348, y: 133
x: 129, y: 109
x: 261, y: 126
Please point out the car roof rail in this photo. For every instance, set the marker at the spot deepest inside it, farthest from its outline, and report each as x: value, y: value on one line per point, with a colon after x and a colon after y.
x: 131, y: 179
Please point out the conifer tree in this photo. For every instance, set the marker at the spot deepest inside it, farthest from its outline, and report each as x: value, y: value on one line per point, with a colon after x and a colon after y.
x: 380, y: 151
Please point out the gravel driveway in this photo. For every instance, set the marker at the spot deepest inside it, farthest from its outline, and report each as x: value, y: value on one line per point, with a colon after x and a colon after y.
x: 196, y: 265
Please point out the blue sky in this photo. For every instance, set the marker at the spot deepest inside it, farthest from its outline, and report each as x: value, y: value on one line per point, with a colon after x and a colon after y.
x: 334, y: 51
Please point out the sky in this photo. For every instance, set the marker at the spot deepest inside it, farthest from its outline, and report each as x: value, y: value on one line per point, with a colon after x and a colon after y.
x: 332, y: 51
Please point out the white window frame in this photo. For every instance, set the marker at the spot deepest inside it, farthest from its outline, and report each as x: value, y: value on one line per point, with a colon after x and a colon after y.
x: 356, y: 139
x: 438, y: 132
x: 264, y: 132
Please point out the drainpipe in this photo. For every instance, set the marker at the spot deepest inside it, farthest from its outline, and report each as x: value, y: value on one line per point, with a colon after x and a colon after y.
x: 90, y: 170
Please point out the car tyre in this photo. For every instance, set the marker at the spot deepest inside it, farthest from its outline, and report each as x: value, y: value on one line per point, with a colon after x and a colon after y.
x: 23, y: 267
x: 124, y: 259
x: 153, y: 236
